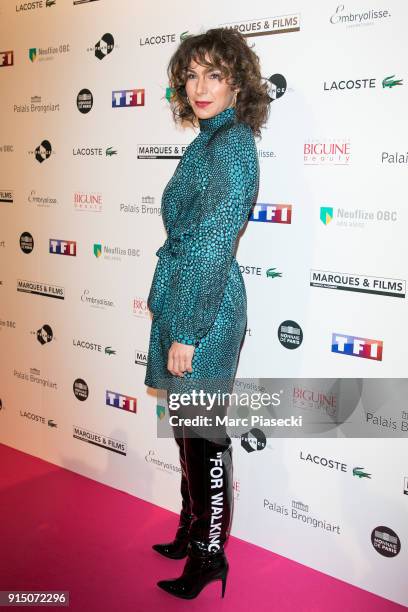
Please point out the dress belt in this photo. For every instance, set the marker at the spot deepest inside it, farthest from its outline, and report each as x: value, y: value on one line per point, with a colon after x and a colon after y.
x: 173, y: 245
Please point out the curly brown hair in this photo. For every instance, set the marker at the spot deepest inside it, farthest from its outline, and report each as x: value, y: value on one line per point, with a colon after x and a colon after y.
x: 228, y: 52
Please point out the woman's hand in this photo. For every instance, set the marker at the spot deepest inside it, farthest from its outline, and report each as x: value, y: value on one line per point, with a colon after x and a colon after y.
x: 179, y: 358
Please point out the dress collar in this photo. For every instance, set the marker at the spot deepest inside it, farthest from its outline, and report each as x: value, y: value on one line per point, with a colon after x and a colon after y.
x: 213, y: 123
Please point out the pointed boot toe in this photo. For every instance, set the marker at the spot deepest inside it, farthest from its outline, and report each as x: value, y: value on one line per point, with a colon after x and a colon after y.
x: 172, y: 550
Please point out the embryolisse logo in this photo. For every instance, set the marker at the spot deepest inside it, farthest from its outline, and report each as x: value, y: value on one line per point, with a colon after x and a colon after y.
x: 353, y: 19
x: 43, y: 201
x: 150, y: 457
x: 96, y: 302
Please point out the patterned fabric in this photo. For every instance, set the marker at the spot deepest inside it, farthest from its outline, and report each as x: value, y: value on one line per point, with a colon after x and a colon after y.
x: 198, y: 294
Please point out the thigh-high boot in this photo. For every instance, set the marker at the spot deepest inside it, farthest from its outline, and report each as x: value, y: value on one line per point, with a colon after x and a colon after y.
x: 177, y: 548
x: 210, y: 479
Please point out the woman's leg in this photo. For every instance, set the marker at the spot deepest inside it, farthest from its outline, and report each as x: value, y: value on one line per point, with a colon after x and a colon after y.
x: 177, y: 549
x: 210, y: 477
x: 209, y: 473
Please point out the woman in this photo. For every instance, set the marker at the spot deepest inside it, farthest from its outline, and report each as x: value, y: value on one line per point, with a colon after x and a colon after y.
x: 198, y: 298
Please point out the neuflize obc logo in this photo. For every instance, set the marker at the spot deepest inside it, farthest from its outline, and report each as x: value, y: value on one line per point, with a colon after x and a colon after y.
x: 357, y: 347
x: 128, y: 97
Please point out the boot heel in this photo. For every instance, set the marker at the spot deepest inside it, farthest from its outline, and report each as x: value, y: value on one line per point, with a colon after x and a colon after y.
x: 224, y: 582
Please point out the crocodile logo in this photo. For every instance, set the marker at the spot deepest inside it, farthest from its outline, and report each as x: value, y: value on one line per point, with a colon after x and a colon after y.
x: 391, y: 82
x: 109, y: 152
x: 109, y: 350
x: 270, y: 273
x: 358, y: 471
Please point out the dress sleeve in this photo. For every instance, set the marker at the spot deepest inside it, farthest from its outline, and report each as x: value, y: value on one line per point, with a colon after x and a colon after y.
x: 208, y: 247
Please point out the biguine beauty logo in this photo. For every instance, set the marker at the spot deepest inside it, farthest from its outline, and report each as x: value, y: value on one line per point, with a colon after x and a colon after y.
x: 326, y: 152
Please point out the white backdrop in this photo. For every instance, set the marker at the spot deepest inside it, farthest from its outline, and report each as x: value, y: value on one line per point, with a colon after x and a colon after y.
x: 76, y: 326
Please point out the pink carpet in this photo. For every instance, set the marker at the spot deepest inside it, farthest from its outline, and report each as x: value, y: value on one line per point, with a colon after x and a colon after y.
x: 62, y: 531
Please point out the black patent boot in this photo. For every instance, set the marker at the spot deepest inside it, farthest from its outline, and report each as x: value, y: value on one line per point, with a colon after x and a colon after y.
x: 201, y: 568
x: 177, y: 548
x: 209, y: 470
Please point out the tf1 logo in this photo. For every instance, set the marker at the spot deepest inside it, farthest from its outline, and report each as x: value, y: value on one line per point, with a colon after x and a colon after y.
x: 272, y: 213
x: 63, y: 247
x: 6, y: 58
x: 128, y: 97
x: 124, y: 402
x: 357, y: 347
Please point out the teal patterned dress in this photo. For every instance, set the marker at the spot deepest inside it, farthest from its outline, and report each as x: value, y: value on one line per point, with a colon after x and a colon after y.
x: 198, y: 294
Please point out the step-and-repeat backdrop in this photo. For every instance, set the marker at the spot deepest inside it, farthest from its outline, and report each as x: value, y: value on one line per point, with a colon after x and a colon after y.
x: 87, y: 144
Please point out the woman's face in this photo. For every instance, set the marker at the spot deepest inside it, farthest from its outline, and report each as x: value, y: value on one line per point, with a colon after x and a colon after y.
x: 205, y: 84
